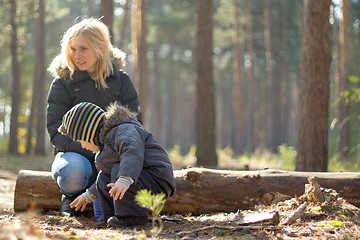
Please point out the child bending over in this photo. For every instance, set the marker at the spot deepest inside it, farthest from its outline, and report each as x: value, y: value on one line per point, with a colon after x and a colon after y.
x: 128, y: 157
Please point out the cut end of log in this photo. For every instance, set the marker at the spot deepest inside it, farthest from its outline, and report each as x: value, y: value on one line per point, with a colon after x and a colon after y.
x: 36, y: 189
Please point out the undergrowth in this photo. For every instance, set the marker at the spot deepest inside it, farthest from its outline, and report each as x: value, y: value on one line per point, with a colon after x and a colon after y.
x: 284, y: 159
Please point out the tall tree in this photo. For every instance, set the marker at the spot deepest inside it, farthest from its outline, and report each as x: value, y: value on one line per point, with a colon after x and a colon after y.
x: 337, y: 69
x: 16, y: 93
x: 250, y: 133
x: 312, y: 146
x: 237, y: 68
x: 344, y: 119
x: 205, y: 102
x: 38, y: 104
x: 286, y: 101
x: 156, y: 117
x: 139, y: 31
x: 107, y: 14
x: 40, y: 68
x: 268, y: 103
x: 273, y: 86
x: 124, y: 24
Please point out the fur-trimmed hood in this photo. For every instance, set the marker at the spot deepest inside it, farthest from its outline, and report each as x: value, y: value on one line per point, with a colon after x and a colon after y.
x: 59, y: 67
x: 115, y: 115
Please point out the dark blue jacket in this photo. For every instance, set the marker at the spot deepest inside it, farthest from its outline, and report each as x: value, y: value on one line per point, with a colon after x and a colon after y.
x: 128, y: 143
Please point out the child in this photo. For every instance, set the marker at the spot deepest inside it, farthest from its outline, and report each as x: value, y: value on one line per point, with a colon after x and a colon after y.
x: 130, y: 160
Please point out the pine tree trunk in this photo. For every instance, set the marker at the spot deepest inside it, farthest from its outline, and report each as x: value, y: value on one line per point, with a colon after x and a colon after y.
x: 157, y: 118
x: 286, y: 101
x: 139, y: 31
x: 312, y: 146
x: 269, y: 79
x: 337, y: 71
x: 16, y: 89
x: 107, y: 14
x: 41, y: 97
x: 124, y: 24
x: 250, y: 132
x: 205, y: 103
x: 238, y: 125
x: 344, y: 121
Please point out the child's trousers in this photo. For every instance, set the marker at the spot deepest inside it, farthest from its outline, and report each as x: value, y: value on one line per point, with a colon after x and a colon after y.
x: 127, y: 205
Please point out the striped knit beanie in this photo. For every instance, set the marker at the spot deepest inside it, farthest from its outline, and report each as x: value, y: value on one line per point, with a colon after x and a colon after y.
x: 83, y: 122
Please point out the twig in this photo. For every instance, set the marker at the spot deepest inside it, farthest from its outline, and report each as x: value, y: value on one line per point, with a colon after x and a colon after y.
x: 231, y: 228
x: 298, y: 213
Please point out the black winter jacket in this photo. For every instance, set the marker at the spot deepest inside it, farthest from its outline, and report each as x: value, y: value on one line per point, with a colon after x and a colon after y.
x: 65, y: 92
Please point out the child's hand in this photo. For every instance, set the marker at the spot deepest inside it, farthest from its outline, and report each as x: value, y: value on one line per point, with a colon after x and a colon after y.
x: 118, y: 190
x: 78, y: 203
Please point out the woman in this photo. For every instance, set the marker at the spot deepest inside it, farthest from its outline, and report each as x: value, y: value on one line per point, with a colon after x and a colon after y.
x: 88, y: 69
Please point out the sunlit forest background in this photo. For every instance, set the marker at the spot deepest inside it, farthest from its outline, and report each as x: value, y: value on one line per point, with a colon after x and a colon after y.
x: 256, y: 60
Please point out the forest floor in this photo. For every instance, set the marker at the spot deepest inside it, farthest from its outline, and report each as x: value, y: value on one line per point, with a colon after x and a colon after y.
x: 333, y: 219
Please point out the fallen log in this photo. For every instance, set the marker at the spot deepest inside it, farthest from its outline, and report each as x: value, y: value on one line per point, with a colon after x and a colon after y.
x: 201, y: 190
x: 36, y: 189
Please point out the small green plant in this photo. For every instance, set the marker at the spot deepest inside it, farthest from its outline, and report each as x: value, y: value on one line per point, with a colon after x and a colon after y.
x: 316, y: 209
x: 153, y: 202
x: 337, y: 223
x: 334, y: 223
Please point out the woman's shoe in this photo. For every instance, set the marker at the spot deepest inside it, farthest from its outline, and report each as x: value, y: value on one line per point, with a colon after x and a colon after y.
x: 65, y: 209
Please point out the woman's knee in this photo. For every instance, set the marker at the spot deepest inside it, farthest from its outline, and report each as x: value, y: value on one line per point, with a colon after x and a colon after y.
x: 72, y: 172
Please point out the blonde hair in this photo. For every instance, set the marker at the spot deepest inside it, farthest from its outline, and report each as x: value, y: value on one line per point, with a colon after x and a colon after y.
x: 98, y: 37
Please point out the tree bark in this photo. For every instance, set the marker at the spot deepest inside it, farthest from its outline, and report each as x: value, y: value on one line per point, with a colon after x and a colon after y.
x: 40, y: 67
x: 337, y: 71
x: 139, y: 32
x: 107, y: 14
x: 251, y: 108
x: 238, y: 125
x: 156, y: 118
x: 201, y: 190
x: 124, y: 25
x: 38, y: 101
x: 16, y: 90
x: 205, y: 91
x: 269, y: 80
x: 36, y: 188
x: 286, y: 102
x: 312, y: 146
x: 344, y: 119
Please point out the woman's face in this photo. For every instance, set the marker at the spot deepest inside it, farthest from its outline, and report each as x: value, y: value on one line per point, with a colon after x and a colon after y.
x: 83, y: 56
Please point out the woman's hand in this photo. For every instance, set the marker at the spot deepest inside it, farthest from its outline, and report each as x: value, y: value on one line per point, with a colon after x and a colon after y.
x: 118, y: 190
x: 79, y: 203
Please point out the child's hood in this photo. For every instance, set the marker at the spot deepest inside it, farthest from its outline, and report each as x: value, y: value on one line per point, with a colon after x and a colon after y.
x: 115, y: 115
x: 59, y: 67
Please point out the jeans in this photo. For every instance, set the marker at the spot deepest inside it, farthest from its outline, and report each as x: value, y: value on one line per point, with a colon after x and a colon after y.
x: 73, y: 173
